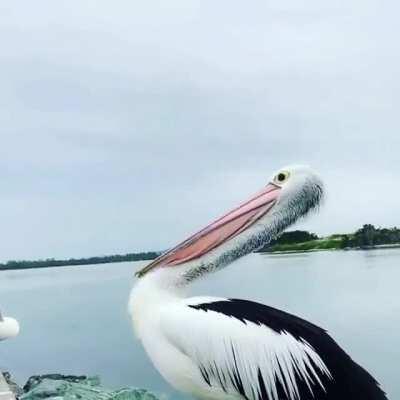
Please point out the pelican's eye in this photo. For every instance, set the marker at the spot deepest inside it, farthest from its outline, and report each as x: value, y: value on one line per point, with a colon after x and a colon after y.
x: 282, y: 177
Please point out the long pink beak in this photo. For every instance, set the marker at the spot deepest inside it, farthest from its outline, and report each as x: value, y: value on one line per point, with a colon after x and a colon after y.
x: 219, y: 231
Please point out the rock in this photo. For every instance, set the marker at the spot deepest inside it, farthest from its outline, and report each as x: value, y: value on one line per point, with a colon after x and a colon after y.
x: 16, y: 389
x: 133, y: 394
x: 36, y: 380
x: 69, y: 387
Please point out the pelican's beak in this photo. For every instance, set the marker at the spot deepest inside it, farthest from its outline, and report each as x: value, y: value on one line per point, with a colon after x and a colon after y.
x: 219, y: 231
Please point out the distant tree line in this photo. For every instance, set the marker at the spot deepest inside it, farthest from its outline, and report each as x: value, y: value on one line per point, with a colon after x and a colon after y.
x: 51, y: 262
x: 368, y: 236
x: 295, y: 237
x: 291, y: 237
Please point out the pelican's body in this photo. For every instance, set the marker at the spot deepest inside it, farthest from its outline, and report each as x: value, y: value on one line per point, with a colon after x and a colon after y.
x: 179, y: 370
x: 9, y: 327
x: 223, y: 349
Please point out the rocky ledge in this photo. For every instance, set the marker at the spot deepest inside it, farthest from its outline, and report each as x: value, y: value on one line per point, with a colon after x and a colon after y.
x: 69, y: 387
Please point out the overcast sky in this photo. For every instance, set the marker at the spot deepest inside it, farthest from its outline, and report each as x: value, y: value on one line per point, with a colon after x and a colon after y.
x: 126, y: 125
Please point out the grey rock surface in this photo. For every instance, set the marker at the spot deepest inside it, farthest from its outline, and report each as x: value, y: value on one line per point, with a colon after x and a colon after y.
x: 15, y: 388
x: 69, y: 387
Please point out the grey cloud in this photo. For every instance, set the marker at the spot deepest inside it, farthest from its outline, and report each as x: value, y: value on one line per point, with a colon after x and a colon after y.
x: 125, y: 126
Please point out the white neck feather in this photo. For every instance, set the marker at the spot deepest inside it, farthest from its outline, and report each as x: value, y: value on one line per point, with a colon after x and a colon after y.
x: 150, y: 293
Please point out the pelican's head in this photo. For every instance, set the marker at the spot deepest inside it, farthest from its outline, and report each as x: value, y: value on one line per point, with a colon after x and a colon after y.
x: 289, y: 194
x: 300, y: 191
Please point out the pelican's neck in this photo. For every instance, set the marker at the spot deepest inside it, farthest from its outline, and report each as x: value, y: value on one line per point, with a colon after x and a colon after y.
x: 166, y: 281
x: 149, y: 295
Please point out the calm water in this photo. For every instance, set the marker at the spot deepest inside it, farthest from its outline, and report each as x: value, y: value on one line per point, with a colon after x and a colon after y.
x: 74, y: 319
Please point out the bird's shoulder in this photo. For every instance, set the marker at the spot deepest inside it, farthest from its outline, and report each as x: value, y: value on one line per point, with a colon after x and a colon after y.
x: 247, y: 311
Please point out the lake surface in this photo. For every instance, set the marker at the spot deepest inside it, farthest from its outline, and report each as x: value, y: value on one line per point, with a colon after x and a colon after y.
x: 74, y: 319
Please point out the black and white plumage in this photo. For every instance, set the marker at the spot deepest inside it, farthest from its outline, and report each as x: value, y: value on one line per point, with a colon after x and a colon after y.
x: 299, y: 361
x: 216, y: 348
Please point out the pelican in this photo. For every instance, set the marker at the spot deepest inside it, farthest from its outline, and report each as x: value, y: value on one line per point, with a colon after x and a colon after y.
x: 230, y: 349
x: 9, y: 327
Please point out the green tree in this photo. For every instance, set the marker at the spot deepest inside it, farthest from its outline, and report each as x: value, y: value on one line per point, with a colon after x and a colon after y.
x: 366, y: 236
x: 345, y: 242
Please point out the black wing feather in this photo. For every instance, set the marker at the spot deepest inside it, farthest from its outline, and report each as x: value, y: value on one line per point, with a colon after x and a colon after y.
x: 349, y: 380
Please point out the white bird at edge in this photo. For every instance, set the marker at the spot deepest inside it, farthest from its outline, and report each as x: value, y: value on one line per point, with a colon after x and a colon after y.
x: 229, y: 349
x: 9, y: 327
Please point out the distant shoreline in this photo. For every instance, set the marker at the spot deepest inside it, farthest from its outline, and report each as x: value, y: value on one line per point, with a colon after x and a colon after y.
x: 148, y: 256
x: 53, y: 263
x: 313, y: 250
